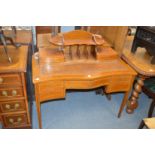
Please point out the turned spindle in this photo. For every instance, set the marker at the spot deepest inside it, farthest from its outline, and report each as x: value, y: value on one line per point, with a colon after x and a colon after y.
x: 133, y: 101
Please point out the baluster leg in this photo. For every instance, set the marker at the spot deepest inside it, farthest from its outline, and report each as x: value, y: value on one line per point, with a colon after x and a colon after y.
x: 133, y: 103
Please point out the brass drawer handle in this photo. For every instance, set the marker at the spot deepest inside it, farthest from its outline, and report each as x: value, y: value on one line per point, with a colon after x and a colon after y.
x: 11, y: 120
x: 14, y: 92
x: 7, y: 106
x: 4, y: 93
x: 16, y: 106
x: 1, y: 80
x: 19, y: 119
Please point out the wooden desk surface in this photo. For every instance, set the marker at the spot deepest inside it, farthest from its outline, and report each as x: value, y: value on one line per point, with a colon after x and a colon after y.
x: 81, y: 69
x: 19, y: 59
x: 140, y: 61
x: 23, y: 36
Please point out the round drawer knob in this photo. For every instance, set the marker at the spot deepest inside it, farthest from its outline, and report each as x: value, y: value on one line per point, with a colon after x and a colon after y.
x: 4, y: 93
x: 19, y: 119
x: 7, y: 106
x: 16, y: 105
x: 11, y: 120
x: 1, y: 80
x: 14, y: 92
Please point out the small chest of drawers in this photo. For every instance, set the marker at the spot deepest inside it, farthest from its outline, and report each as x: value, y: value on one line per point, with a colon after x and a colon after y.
x: 14, y: 107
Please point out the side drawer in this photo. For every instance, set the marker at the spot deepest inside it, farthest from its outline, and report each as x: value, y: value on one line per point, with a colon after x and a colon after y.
x: 12, y: 106
x: 10, y: 93
x: 14, y: 120
x: 119, y: 83
x: 51, y: 90
x: 10, y: 79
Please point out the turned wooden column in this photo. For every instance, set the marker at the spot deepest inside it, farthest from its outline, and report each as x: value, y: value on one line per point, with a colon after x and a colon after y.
x: 133, y: 100
x: 140, y: 61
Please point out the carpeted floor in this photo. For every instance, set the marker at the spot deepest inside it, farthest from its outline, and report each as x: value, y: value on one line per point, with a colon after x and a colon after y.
x: 86, y: 110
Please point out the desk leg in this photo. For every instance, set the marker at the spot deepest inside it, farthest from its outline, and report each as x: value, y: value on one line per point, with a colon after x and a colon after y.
x: 39, y: 114
x: 38, y: 106
x: 133, y: 103
x: 123, y: 103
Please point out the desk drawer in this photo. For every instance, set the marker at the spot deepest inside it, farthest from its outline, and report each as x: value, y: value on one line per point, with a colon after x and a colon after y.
x: 14, y: 120
x: 10, y: 79
x: 12, y: 106
x: 51, y: 90
x: 10, y: 93
x: 119, y: 83
x: 87, y: 84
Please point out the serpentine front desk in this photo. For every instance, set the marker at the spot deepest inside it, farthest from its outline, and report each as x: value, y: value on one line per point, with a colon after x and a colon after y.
x: 78, y: 60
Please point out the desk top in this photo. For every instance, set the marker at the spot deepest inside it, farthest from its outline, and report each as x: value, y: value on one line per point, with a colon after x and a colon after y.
x: 140, y: 61
x: 19, y: 59
x: 78, y: 70
x: 23, y: 36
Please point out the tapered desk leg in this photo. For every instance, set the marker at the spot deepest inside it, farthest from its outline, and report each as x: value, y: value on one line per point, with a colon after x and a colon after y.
x: 38, y: 107
x: 123, y: 103
x: 39, y: 115
x: 133, y: 103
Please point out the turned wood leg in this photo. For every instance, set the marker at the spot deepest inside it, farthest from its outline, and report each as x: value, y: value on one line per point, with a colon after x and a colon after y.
x: 123, y: 103
x: 133, y: 103
x: 151, y: 109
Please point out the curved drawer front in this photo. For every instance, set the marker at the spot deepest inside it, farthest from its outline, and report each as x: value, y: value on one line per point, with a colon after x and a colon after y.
x: 119, y: 83
x: 10, y: 79
x: 86, y: 84
x: 51, y: 90
x: 10, y: 93
x: 14, y: 120
x: 12, y: 106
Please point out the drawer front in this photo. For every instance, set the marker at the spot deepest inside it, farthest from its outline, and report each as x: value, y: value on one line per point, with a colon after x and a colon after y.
x: 11, y: 93
x: 14, y: 120
x: 119, y: 83
x: 12, y: 106
x: 10, y: 79
x: 51, y: 90
x: 86, y: 84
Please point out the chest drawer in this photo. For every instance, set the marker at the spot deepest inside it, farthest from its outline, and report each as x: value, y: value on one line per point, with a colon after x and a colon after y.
x: 14, y: 120
x: 12, y: 106
x: 10, y: 93
x: 10, y: 79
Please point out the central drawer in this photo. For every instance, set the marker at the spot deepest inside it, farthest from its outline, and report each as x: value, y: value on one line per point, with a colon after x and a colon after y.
x: 12, y: 106
x: 10, y: 93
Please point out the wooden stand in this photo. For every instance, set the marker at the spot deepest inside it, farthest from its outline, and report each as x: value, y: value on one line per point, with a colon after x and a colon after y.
x: 66, y: 65
x: 141, y: 62
x: 14, y: 108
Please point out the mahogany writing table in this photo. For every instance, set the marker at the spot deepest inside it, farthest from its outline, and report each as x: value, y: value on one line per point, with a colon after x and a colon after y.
x: 56, y: 70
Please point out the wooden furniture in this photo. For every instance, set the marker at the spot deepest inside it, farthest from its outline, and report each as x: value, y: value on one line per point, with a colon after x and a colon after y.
x: 78, y: 60
x: 145, y: 37
x: 148, y: 123
x: 114, y: 35
x: 50, y: 30
x: 4, y: 39
x: 14, y: 108
x: 141, y: 63
x: 149, y: 90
